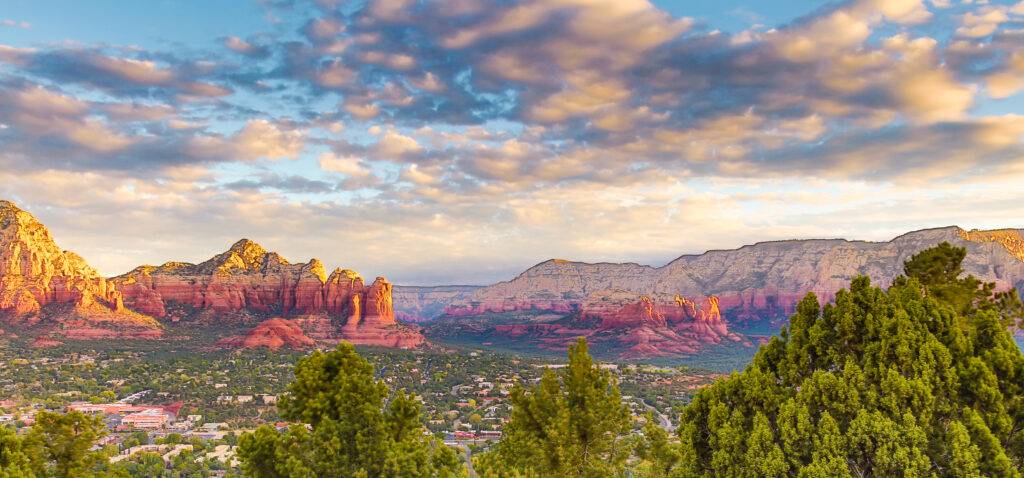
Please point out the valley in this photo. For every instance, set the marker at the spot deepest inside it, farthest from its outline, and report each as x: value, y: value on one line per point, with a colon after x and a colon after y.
x: 710, y: 310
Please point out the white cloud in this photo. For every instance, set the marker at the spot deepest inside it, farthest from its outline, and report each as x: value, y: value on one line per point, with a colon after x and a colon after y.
x: 348, y: 165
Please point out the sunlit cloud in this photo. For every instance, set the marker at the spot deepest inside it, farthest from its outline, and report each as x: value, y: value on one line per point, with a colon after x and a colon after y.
x: 470, y: 138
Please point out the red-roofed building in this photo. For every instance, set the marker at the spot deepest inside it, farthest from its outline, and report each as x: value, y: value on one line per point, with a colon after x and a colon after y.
x: 149, y: 419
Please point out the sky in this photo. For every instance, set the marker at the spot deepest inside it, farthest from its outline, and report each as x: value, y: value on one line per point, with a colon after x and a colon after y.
x: 462, y: 141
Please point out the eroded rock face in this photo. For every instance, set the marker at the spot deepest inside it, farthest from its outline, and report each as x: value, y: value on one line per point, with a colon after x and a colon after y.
x: 249, y: 283
x: 379, y: 308
x: 247, y: 277
x: 42, y: 284
x: 1011, y: 239
x: 645, y: 328
x: 272, y: 334
x: 752, y: 284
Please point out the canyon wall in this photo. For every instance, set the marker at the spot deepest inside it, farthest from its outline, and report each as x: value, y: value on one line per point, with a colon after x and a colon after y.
x: 764, y: 280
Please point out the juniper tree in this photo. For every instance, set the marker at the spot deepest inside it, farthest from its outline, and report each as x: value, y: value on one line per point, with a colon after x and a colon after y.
x: 922, y: 379
x: 356, y: 427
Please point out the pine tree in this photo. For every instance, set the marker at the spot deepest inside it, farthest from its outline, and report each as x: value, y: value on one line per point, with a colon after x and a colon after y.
x: 14, y: 463
x: 60, y: 446
x: 919, y: 380
x: 572, y: 424
x: 351, y: 430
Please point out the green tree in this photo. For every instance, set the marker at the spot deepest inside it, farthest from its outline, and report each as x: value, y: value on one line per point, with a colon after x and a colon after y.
x: 60, y: 445
x: 919, y: 380
x: 145, y: 464
x: 572, y: 424
x: 355, y: 428
x: 14, y: 463
x: 940, y: 271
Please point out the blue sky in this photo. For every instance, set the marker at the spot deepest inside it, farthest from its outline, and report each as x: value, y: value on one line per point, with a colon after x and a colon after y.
x: 461, y: 141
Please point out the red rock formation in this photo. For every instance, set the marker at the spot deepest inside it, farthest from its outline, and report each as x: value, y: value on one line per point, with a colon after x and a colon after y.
x: 246, y: 281
x: 41, y: 284
x: 341, y: 294
x: 761, y: 282
x: 379, y: 309
x: 273, y: 334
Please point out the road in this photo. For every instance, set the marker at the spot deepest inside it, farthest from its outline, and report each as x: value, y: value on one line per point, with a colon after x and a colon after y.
x: 469, y: 462
x: 663, y: 420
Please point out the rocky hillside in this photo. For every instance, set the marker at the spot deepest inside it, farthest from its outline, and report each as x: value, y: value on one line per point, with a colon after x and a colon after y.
x: 764, y: 280
x: 43, y: 285
x: 754, y: 286
x: 247, y: 283
x: 54, y: 292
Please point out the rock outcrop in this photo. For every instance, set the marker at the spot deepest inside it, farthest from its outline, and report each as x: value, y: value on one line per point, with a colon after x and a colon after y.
x: 244, y: 278
x: 247, y: 283
x: 753, y: 286
x: 45, y: 287
x: 632, y: 330
x: 40, y: 284
x: 1011, y: 239
x: 752, y: 282
x: 272, y: 334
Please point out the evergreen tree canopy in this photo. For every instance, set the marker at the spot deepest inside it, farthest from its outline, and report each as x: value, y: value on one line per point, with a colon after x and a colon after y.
x: 345, y: 427
x: 572, y: 424
x: 919, y: 380
x: 56, y: 446
x: 939, y: 270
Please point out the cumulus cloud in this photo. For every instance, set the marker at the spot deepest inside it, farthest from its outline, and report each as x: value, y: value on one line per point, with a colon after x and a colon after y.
x: 258, y: 139
x: 44, y: 113
x: 245, y: 47
x: 475, y: 130
x: 348, y: 165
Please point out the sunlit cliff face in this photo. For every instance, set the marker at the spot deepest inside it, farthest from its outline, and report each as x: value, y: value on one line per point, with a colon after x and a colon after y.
x: 441, y: 142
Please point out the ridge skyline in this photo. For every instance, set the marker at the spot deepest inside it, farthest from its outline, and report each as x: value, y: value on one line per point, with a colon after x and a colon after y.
x: 247, y: 238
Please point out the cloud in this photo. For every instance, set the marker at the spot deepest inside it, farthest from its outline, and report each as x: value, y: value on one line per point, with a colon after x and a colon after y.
x: 122, y: 76
x: 1008, y: 81
x: 246, y: 48
x: 258, y: 139
x: 348, y: 165
x: 42, y: 113
x: 7, y: 22
x: 982, y: 23
x: 470, y: 131
x: 393, y: 145
x: 290, y: 183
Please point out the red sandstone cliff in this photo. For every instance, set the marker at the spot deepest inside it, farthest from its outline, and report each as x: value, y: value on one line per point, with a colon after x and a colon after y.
x: 644, y: 328
x: 248, y: 283
x: 42, y: 285
x: 56, y: 292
